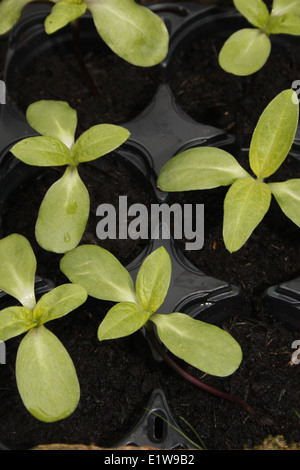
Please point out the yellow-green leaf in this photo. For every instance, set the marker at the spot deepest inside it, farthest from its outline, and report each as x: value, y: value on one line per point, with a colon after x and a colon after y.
x: 42, y: 151
x: 98, y: 141
x: 99, y: 272
x: 63, y: 13
x: 59, y: 302
x: 245, y: 205
x: 200, y: 168
x: 14, y: 321
x: 287, y: 194
x: 53, y: 119
x: 153, y: 280
x: 46, y: 376
x: 245, y: 52
x: 255, y: 11
x: 274, y: 134
x: 204, y: 346
x: 17, y: 269
x: 10, y: 12
x: 123, y: 319
x: 132, y: 31
x: 63, y: 213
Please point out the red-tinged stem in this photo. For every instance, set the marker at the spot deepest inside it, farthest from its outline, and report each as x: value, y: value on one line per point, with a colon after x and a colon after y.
x: 198, y: 383
x: 79, y: 56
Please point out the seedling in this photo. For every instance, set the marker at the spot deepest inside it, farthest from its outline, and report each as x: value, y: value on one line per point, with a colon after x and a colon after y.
x: 248, y: 198
x: 45, y: 374
x: 204, y: 346
x: 247, y: 50
x: 64, y: 210
x: 133, y: 32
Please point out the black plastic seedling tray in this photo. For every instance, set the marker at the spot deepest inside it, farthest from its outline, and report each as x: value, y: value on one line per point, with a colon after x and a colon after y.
x: 157, y: 134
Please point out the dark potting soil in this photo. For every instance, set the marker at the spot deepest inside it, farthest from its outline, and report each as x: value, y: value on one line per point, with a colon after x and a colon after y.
x: 117, y: 377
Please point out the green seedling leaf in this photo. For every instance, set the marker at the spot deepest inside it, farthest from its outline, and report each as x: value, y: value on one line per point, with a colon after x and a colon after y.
x: 285, y: 24
x: 245, y: 205
x: 46, y: 377
x: 200, y: 168
x: 17, y: 269
x: 132, y: 31
x: 98, y: 141
x: 153, y: 280
x: 42, y: 151
x: 245, y: 52
x: 63, y: 13
x: 287, y: 194
x: 10, y: 12
x: 59, y: 302
x: 53, y: 119
x: 99, y: 272
x: 274, y: 134
x: 14, y: 321
x: 123, y: 319
x: 283, y: 7
x: 256, y: 11
x: 204, y: 346
x: 63, y: 213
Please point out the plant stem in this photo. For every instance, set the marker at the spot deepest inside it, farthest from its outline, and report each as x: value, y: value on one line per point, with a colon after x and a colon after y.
x: 79, y: 56
x: 194, y: 380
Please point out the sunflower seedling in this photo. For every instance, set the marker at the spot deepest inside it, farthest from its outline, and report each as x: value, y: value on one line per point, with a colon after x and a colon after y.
x: 248, y: 198
x: 131, y: 31
x: 45, y: 374
x: 64, y: 211
x: 204, y: 346
x: 247, y: 50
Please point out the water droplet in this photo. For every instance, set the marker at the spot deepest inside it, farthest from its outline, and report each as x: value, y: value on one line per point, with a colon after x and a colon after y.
x: 67, y: 237
x: 72, y: 208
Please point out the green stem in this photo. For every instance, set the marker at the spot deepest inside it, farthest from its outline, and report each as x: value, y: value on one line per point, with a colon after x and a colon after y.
x: 194, y: 380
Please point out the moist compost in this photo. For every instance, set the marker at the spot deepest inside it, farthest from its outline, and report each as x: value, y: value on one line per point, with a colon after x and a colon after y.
x: 117, y: 377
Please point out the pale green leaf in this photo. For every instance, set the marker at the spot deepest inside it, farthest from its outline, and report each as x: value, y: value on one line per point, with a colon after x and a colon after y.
x: 274, y: 134
x: 204, y: 346
x: 46, y: 377
x: 283, y: 7
x: 42, y: 151
x: 10, y: 12
x: 98, y: 141
x: 59, y: 302
x: 245, y: 205
x: 285, y: 24
x: 287, y: 194
x: 53, y: 119
x: 99, y: 272
x: 123, y: 319
x: 63, y: 13
x: 132, y: 31
x: 255, y: 11
x: 14, y: 321
x: 245, y: 52
x: 63, y: 213
x: 153, y: 280
x: 200, y: 168
x: 17, y: 269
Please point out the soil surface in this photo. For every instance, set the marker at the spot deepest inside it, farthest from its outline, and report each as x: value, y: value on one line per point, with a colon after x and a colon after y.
x: 117, y: 377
